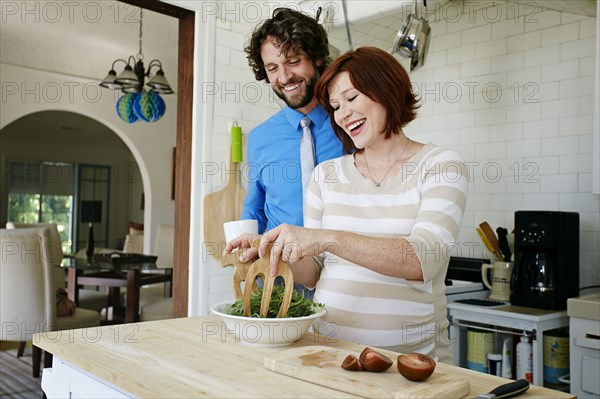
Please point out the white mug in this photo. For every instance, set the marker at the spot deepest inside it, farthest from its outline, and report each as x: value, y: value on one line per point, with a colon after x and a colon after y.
x: 236, y: 228
x: 500, y: 286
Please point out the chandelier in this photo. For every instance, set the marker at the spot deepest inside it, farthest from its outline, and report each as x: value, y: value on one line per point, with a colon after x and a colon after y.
x: 138, y: 102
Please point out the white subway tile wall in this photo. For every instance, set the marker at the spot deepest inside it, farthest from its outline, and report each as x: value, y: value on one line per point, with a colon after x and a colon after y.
x: 507, y: 85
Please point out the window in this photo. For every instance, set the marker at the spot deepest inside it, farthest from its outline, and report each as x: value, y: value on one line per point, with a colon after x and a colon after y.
x: 45, y: 192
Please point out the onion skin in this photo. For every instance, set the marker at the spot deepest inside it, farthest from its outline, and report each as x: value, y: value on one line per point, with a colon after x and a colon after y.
x: 374, y: 361
x: 416, y: 366
x: 351, y: 363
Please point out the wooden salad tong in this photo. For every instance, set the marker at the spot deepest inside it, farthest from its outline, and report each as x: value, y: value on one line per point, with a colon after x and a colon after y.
x: 260, y: 268
x: 241, y: 271
x: 247, y: 272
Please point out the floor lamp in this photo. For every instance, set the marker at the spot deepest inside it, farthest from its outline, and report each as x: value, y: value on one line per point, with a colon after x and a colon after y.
x: 91, y: 212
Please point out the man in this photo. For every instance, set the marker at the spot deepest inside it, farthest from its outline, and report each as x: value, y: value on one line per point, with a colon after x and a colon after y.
x: 289, y: 51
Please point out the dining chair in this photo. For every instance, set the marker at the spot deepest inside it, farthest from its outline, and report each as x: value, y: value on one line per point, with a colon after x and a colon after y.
x: 88, y: 298
x: 134, y: 243
x: 28, y: 291
x: 154, y: 306
x: 164, y: 245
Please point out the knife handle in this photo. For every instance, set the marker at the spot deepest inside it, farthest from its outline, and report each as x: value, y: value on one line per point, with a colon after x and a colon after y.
x: 511, y: 389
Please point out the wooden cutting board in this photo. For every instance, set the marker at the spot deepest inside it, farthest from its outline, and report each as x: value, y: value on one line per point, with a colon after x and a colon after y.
x: 322, y: 365
x: 220, y: 207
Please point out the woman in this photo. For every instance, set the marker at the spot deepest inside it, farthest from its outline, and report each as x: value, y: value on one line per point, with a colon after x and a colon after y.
x: 381, y: 218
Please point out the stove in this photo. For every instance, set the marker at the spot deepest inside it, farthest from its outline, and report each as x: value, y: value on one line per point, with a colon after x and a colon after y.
x: 460, y: 289
x: 463, y: 279
x: 454, y: 287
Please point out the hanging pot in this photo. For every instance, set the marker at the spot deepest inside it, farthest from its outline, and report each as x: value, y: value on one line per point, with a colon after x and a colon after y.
x: 412, y: 40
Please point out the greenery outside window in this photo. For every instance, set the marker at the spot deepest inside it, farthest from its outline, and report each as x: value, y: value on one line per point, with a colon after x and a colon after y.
x: 42, y: 193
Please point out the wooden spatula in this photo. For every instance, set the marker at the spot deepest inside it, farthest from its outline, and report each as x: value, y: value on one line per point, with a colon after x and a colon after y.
x: 260, y: 268
x: 493, y: 240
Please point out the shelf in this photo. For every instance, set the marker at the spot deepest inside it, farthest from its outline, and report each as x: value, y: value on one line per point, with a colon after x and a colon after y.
x: 512, y: 320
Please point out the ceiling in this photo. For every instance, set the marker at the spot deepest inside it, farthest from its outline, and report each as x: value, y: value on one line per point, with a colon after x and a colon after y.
x: 360, y: 10
x: 83, y: 38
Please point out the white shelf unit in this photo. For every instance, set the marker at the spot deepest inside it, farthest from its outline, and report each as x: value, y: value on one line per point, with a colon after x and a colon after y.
x: 504, y: 319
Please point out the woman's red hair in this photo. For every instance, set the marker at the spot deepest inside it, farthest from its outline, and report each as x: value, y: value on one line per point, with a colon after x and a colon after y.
x: 378, y: 75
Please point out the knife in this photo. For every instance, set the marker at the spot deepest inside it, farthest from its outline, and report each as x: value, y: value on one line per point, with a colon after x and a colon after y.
x: 507, y: 390
x: 503, y: 242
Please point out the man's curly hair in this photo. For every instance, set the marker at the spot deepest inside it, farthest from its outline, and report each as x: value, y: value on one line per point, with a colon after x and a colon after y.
x: 294, y: 31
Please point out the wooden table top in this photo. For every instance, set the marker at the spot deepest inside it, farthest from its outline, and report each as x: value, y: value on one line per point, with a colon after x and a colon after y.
x: 195, y: 357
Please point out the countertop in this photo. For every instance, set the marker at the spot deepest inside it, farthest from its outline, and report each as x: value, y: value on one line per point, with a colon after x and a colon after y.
x: 196, y: 357
x: 585, y: 306
x: 516, y: 312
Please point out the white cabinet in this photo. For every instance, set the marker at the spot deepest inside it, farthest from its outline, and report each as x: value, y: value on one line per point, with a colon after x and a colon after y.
x: 66, y: 381
x: 504, y: 319
x: 585, y: 358
x: 584, y: 335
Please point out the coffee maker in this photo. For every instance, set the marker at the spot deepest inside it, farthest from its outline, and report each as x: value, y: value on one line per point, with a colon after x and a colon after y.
x: 546, y: 270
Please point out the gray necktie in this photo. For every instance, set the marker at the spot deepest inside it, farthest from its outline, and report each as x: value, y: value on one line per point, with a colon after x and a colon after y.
x: 307, y: 153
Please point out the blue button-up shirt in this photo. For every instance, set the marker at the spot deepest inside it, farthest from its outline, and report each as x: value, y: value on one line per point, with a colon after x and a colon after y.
x: 274, y: 173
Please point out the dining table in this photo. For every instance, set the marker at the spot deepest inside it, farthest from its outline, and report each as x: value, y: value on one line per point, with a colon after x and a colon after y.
x: 200, y: 357
x: 130, y: 273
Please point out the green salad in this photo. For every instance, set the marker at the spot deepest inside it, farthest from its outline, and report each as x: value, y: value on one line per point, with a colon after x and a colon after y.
x: 299, y: 306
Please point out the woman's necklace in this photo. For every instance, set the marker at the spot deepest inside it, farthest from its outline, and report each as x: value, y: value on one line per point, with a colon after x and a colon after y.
x: 378, y: 183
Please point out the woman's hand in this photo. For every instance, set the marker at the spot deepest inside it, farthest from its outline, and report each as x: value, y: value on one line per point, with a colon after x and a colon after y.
x: 244, y: 244
x: 290, y: 244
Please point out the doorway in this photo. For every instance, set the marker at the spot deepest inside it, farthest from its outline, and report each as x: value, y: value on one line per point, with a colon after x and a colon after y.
x: 183, y: 166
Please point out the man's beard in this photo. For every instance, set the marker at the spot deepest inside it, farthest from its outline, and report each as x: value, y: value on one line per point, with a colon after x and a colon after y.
x: 297, y: 101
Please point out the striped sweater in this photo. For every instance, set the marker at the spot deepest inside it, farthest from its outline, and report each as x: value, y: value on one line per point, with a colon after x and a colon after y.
x: 424, y: 204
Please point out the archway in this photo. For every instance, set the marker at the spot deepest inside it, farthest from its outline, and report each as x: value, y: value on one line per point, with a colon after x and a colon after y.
x: 73, y: 140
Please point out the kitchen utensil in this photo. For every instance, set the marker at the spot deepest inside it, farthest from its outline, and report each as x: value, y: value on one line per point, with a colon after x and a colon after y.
x: 412, y: 40
x: 232, y: 230
x: 503, y: 242
x: 261, y: 268
x: 487, y: 242
x: 334, y: 52
x: 264, y: 332
x: 240, y: 273
x: 322, y: 365
x: 347, y: 24
x: 491, y: 236
x: 500, y: 286
x: 506, y: 391
x: 220, y: 207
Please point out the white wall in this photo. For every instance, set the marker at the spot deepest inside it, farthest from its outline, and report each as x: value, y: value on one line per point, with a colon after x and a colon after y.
x: 229, y: 93
x: 511, y: 87
x: 532, y: 122
x: 525, y: 128
x: 150, y: 143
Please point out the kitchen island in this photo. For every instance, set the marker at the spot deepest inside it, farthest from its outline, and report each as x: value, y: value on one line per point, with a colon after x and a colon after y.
x: 196, y: 357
